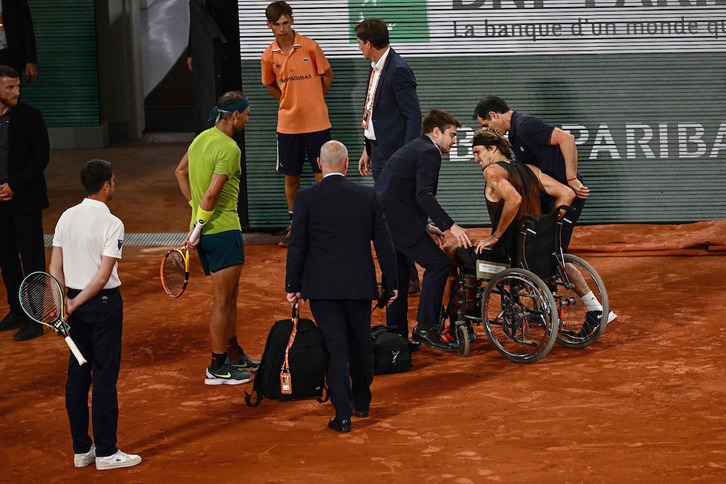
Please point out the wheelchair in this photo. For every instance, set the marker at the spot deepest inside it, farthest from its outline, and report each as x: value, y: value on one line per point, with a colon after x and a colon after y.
x: 529, y: 303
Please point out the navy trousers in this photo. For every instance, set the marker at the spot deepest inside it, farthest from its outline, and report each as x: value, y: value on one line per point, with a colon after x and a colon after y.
x: 346, y: 328
x: 436, y: 264
x: 96, y: 329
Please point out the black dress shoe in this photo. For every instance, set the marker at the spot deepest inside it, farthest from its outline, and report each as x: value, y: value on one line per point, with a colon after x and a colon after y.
x: 28, y: 330
x: 414, y: 345
x: 362, y: 413
x: 430, y: 337
x: 10, y: 321
x: 339, y: 425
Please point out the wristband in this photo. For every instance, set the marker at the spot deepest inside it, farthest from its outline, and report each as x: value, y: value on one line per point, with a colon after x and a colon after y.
x: 495, y: 237
x: 570, y: 179
x: 203, y: 215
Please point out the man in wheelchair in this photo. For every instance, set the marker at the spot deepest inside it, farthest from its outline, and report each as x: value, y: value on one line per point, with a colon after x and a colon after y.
x: 512, y: 192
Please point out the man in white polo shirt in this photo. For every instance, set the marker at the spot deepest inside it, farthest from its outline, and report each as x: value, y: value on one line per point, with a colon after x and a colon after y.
x: 86, y: 249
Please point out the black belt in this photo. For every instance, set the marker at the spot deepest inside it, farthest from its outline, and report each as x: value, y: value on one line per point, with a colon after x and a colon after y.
x: 103, y: 292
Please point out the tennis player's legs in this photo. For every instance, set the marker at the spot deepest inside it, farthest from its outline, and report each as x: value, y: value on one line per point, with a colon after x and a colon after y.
x: 291, y: 151
x: 223, y: 320
x: 222, y: 256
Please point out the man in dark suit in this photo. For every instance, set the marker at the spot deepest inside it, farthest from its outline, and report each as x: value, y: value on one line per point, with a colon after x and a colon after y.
x: 407, y: 185
x: 17, y: 39
x: 392, y: 113
x: 329, y: 262
x: 24, y: 152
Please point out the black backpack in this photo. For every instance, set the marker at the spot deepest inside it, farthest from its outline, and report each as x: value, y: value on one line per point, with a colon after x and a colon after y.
x: 307, y: 357
x: 391, y: 352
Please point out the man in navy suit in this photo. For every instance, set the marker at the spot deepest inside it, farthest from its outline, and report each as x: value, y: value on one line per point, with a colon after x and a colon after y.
x: 407, y: 185
x: 329, y: 262
x: 392, y: 113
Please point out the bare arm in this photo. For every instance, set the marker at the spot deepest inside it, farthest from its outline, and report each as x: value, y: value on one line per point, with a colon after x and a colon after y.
x: 364, y: 164
x: 563, y: 194
x: 275, y: 91
x: 182, y: 177
x: 211, y: 196
x: 327, y: 80
x: 566, y: 142
x: 56, y: 266
x: 496, y: 179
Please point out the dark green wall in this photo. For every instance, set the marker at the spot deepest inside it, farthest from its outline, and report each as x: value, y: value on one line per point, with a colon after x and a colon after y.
x: 67, y: 86
x: 603, y: 93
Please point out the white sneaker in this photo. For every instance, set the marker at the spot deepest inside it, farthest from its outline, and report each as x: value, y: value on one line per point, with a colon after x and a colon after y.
x: 116, y: 461
x: 611, y: 317
x: 83, y: 460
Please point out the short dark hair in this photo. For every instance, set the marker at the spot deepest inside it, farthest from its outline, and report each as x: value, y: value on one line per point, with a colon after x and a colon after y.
x: 436, y: 118
x: 94, y: 174
x: 275, y: 10
x: 373, y: 30
x: 490, y: 104
x: 7, y: 71
x: 493, y: 138
x: 228, y: 98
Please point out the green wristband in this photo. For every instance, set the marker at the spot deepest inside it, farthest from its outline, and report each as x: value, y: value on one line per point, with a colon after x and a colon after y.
x: 203, y: 215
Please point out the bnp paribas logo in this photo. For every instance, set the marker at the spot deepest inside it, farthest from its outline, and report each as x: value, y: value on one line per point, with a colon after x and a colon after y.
x: 407, y: 20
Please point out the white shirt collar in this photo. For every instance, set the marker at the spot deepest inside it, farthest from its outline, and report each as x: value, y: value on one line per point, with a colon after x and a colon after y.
x: 379, y: 65
x: 95, y: 204
x: 333, y: 173
x: 434, y: 142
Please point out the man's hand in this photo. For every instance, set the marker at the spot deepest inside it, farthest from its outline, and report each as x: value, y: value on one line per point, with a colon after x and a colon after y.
x: 393, y: 298
x: 6, y: 193
x: 295, y: 298
x: 488, y: 242
x: 462, y: 238
x: 70, y: 307
x: 581, y: 191
x: 31, y: 72
x: 436, y: 234
x: 191, y: 246
x: 364, y: 164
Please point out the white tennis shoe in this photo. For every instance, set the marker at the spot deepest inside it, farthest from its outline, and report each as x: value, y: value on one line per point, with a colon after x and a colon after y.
x: 83, y: 460
x: 117, y: 461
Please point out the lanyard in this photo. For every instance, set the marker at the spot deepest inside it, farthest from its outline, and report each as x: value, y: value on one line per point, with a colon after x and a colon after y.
x: 371, y: 94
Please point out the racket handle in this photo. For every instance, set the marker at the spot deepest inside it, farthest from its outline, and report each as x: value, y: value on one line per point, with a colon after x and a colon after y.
x: 197, y: 230
x: 76, y: 352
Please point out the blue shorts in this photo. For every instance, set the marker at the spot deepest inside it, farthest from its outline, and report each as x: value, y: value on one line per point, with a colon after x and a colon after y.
x: 222, y: 250
x: 291, y: 150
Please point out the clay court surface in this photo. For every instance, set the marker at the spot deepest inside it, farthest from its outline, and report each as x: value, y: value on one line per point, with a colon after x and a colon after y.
x: 645, y: 403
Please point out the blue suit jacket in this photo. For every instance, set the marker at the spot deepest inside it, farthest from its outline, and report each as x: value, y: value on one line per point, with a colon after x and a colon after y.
x: 407, y: 185
x: 396, y: 110
x: 329, y: 254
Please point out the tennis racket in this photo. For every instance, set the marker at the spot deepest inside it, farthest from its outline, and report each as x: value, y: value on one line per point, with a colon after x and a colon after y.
x: 42, y: 300
x: 175, y: 266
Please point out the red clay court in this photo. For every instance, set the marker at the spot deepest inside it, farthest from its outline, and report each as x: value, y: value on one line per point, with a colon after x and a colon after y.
x: 645, y: 402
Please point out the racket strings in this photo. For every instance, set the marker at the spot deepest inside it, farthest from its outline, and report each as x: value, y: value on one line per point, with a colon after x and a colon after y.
x: 174, y: 272
x: 41, y: 298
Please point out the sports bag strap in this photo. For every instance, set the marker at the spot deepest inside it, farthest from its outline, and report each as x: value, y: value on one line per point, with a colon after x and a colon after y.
x: 322, y: 399
x: 248, y: 398
x: 286, y: 364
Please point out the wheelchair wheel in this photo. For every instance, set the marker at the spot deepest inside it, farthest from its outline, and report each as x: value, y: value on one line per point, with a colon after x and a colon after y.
x: 579, y: 327
x: 520, y: 315
x: 462, y: 337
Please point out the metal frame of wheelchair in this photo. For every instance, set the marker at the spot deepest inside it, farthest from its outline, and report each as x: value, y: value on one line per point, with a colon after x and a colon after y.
x: 526, y: 308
